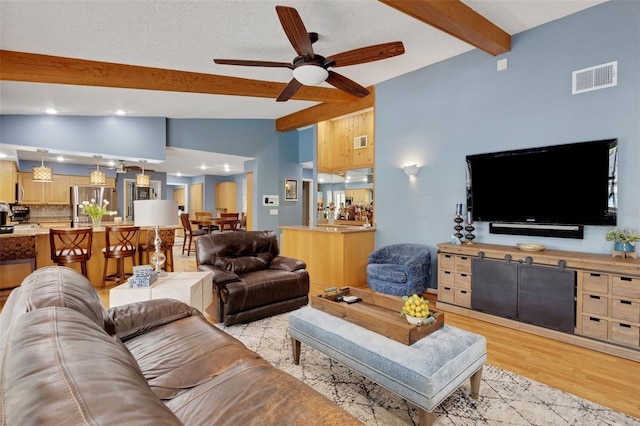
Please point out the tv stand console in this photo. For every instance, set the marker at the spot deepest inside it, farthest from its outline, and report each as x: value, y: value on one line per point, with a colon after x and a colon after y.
x: 603, y: 300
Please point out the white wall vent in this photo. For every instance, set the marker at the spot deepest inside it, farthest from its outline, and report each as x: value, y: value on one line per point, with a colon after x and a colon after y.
x: 593, y: 78
x: 360, y: 142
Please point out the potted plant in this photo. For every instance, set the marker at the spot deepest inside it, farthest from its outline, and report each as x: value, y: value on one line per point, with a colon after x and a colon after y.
x: 624, y: 240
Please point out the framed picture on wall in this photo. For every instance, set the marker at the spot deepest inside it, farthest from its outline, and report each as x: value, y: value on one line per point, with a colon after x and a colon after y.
x: 291, y: 189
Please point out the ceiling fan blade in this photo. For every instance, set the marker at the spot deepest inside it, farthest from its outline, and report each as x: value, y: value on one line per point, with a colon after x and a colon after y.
x: 249, y: 63
x: 289, y: 90
x: 295, y: 31
x: 367, y: 54
x: 346, y: 85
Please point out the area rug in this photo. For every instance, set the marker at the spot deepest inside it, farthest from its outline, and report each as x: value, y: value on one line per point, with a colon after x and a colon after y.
x: 505, y: 398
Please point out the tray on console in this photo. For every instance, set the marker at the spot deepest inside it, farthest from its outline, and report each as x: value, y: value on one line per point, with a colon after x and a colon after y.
x: 376, y: 312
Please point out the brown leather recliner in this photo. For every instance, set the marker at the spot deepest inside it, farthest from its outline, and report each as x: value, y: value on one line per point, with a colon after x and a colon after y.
x: 251, y: 280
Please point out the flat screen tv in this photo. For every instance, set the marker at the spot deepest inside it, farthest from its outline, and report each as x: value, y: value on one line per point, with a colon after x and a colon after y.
x: 571, y: 184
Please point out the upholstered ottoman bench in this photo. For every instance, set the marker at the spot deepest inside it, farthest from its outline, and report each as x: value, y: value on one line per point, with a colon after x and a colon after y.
x: 424, y: 374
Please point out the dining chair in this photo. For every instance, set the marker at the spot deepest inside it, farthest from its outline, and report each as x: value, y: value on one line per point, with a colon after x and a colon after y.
x: 71, y: 246
x: 206, y: 216
x: 121, y: 242
x: 168, y: 237
x: 228, y: 222
x: 189, y: 233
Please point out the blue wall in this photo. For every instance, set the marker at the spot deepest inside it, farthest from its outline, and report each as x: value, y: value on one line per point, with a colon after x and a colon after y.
x: 439, y: 114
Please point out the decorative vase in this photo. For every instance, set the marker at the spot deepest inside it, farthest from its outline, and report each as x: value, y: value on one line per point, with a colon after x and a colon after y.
x: 624, y: 247
x: 96, y: 221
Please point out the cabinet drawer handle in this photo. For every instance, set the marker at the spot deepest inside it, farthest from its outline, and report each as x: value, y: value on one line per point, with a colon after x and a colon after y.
x: 626, y: 279
x: 625, y: 325
x: 594, y: 275
x: 463, y: 257
x: 447, y: 273
x: 594, y: 297
x: 463, y: 291
x: 447, y: 256
x: 625, y: 302
x: 447, y: 288
x: 594, y: 319
x: 463, y: 275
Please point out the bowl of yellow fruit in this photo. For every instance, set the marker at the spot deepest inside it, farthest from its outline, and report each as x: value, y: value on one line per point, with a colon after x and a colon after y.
x: 416, y: 310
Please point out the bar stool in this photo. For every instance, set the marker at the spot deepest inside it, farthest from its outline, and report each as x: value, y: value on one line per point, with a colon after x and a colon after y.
x: 168, y: 237
x: 71, y: 246
x: 121, y: 242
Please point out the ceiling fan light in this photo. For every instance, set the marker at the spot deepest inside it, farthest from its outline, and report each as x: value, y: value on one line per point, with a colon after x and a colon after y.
x: 310, y: 75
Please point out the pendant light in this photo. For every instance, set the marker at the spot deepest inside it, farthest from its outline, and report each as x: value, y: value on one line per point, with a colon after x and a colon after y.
x: 143, y: 180
x: 96, y: 177
x: 42, y: 173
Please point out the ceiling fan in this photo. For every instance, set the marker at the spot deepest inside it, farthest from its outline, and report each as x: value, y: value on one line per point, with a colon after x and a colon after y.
x: 310, y: 69
x: 123, y: 168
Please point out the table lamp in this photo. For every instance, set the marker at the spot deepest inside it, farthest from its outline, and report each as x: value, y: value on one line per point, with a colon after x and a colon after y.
x: 156, y: 213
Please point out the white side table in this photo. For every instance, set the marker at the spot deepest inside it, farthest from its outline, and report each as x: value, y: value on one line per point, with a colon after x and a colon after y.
x: 192, y: 288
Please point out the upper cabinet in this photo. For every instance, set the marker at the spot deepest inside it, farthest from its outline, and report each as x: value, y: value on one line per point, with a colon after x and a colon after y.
x: 346, y: 143
x: 8, y: 179
x: 51, y: 193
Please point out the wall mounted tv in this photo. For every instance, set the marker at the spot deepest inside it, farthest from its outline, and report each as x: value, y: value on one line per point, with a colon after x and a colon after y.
x: 571, y: 184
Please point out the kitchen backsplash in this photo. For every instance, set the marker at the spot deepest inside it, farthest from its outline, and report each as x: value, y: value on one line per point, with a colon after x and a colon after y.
x: 49, y: 211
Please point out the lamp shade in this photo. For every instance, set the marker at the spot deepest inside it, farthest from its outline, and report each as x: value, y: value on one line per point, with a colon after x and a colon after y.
x: 143, y: 180
x: 310, y: 75
x: 42, y: 174
x: 96, y: 177
x: 155, y: 212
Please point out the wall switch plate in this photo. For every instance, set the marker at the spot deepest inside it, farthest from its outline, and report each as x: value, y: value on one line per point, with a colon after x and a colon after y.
x: 502, y: 64
x: 273, y: 212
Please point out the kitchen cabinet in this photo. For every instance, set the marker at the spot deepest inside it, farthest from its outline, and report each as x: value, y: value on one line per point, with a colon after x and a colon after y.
x: 226, y: 197
x: 55, y: 192
x: 8, y: 179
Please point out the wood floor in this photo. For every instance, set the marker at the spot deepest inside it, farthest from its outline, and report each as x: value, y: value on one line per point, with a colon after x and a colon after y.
x: 604, y: 379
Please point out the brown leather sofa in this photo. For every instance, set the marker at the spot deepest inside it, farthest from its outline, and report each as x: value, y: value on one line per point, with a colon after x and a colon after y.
x: 64, y: 359
x: 251, y: 280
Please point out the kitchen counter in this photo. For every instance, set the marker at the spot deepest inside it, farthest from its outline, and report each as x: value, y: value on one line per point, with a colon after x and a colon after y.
x: 12, y: 275
x: 341, y: 229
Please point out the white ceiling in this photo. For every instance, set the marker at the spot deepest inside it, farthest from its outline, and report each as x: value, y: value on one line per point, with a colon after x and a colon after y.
x: 187, y: 35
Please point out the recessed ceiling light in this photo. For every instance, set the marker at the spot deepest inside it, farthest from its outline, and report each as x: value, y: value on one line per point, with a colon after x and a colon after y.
x: 112, y: 163
x: 226, y: 168
x: 178, y: 174
x: 203, y: 167
x: 3, y: 155
x: 121, y: 112
x: 60, y: 158
x: 50, y: 110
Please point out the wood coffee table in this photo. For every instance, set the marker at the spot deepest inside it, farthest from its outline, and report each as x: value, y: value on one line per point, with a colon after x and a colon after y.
x: 424, y: 373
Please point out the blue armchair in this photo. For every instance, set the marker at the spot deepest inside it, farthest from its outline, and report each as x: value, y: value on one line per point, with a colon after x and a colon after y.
x: 399, y: 269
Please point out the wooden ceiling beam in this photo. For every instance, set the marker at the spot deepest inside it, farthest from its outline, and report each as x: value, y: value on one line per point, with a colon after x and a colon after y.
x: 457, y: 19
x: 324, y: 111
x: 36, y: 68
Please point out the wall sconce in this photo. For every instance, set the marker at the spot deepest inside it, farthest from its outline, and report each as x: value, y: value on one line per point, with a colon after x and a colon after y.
x: 42, y: 173
x: 96, y: 177
x: 143, y: 180
x: 411, y: 170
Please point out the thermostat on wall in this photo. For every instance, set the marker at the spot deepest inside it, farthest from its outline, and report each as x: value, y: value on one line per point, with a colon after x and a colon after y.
x: 270, y: 200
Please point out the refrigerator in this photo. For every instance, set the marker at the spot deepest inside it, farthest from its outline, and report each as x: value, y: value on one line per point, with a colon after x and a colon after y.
x: 88, y: 193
